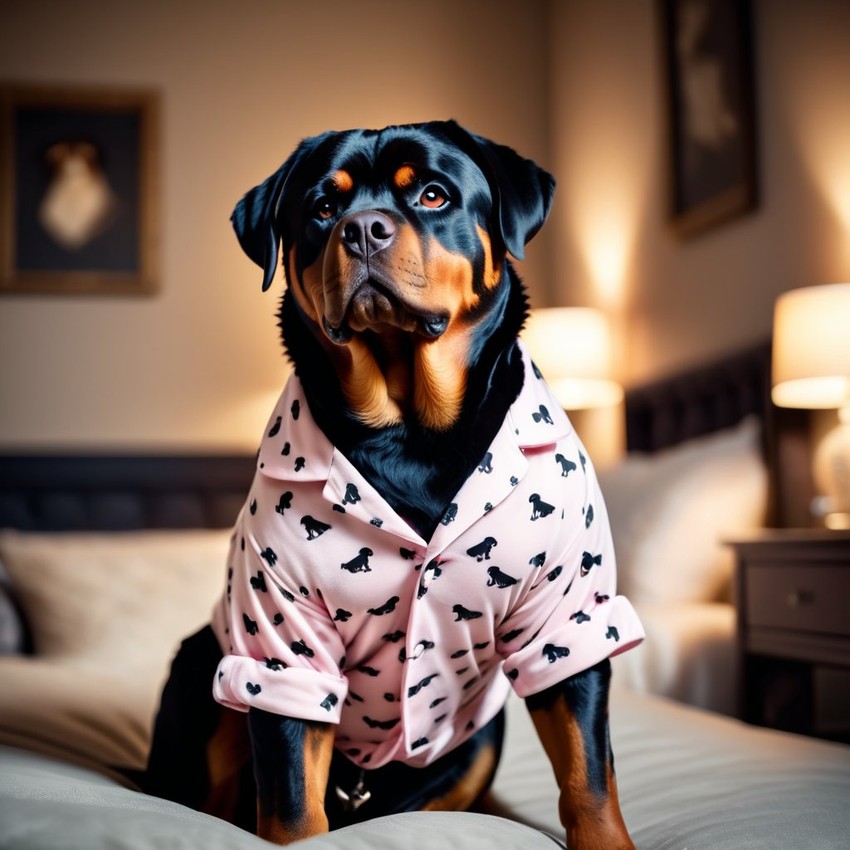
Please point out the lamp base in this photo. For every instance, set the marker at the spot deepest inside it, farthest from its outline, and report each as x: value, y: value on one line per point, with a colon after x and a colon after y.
x: 831, y: 470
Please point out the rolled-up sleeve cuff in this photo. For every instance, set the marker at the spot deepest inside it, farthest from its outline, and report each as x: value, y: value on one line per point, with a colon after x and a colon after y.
x: 575, y: 646
x: 242, y: 683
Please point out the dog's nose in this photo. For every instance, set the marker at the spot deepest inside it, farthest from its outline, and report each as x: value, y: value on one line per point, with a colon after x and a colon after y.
x: 368, y: 232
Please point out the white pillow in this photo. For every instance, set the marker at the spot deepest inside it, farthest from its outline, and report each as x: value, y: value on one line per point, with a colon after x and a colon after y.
x: 106, y: 613
x: 671, y: 511
x: 12, y: 631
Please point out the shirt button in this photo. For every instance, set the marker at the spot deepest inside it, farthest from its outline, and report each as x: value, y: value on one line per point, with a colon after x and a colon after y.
x: 421, y: 647
x: 429, y: 574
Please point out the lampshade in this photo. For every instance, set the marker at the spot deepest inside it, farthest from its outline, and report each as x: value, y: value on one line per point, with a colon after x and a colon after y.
x: 811, y: 347
x: 571, y: 346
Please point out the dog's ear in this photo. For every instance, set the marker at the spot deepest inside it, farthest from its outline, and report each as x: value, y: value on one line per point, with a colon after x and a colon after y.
x: 255, y: 218
x: 522, y: 191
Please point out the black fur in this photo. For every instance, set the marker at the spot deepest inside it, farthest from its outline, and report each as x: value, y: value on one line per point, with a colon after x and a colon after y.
x: 279, y: 766
x: 586, y: 695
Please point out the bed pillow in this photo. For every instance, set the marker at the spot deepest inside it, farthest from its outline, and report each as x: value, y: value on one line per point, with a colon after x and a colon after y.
x: 106, y: 613
x: 671, y: 511
x: 12, y: 629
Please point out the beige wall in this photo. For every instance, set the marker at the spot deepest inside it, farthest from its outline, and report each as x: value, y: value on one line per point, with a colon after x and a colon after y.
x: 675, y: 302
x: 574, y: 84
x: 241, y: 82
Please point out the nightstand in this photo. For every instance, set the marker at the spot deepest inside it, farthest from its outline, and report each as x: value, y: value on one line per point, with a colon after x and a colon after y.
x: 793, y: 612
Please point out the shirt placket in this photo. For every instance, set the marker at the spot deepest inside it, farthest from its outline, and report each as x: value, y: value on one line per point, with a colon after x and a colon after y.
x: 487, y: 487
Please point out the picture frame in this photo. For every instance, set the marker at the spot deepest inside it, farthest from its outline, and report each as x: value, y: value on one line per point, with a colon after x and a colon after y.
x: 710, y: 93
x: 78, y: 197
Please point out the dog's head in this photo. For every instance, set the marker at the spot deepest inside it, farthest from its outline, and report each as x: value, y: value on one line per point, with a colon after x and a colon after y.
x: 395, y: 246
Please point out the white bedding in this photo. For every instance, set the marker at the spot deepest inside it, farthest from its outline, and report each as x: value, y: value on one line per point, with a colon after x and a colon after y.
x: 693, y: 780
x: 45, y: 804
x: 688, y: 780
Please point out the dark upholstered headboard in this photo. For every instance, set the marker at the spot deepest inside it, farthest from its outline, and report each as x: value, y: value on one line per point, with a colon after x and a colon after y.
x: 64, y: 492
x: 699, y: 401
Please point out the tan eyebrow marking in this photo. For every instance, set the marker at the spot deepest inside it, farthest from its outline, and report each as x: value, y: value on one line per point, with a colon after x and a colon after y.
x: 404, y: 177
x: 343, y: 181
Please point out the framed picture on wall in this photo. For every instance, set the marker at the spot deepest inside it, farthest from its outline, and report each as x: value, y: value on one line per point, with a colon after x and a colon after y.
x: 78, y: 193
x: 708, y: 64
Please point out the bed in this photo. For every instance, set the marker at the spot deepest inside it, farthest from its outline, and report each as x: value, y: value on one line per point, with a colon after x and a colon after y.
x: 111, y: 560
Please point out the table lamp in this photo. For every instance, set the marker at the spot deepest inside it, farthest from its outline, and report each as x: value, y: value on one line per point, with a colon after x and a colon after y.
x: 811, y: 369
x: 571, y: 346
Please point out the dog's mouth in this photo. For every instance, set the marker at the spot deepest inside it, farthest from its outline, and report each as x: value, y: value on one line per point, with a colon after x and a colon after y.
x: 373, y: 306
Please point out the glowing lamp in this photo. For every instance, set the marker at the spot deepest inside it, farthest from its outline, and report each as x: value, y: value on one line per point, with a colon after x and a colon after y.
x: 811, y: 369
x: 571, y: 346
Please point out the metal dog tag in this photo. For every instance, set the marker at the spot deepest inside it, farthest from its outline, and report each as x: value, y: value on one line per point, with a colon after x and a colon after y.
x: 352, y: 801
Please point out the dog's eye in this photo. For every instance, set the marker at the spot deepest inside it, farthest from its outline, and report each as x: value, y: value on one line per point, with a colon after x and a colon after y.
x: 433, y: 197
x: 325, y: 208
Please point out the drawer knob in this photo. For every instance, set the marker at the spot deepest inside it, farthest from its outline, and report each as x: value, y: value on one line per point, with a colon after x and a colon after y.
x: 799, y: 598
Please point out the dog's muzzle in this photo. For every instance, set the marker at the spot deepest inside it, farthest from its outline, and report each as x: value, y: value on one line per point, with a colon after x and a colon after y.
x: 431, y: 327
x: 373, y: 296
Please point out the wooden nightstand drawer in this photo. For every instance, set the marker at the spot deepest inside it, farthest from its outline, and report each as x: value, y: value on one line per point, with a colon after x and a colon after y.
x: 812, y: 599
x: 792, y: 593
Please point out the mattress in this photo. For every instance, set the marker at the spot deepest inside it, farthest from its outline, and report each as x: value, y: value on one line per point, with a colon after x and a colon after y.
x: 689, y: 780
x: 693, y: 780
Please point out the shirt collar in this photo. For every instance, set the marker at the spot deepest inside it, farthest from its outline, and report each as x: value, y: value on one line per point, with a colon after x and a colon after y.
x: 537, y: 417
x: 295, y: 448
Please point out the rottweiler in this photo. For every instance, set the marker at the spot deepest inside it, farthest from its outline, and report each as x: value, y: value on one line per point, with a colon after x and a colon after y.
x: 364, y: 645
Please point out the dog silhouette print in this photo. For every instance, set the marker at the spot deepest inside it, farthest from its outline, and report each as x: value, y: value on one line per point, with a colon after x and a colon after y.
x: 539, y: 507
x: 423, y: 683
x: 481, y: 551
x: 553, y: 653
x: 462, y: 613
x: 269, y: 556
x: 499, y: 579
x: 359, y: 563
x: 486, y: 465
x: 314, y: 527
x: 352, y: 496
x: 450, y: 515
x: 589, y: 561
x: 300, y: 648
x: 567, y: 466
x: 329, y: 702
x: 543, y: 415
x: 387, y: 608
x: 284, y: 503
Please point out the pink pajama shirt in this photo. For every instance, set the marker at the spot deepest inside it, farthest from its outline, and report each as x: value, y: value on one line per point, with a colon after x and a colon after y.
x: 337, y: 610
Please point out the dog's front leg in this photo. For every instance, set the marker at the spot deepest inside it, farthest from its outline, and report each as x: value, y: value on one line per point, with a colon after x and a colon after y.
x: 571, y: 719
x: 292, y: 760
